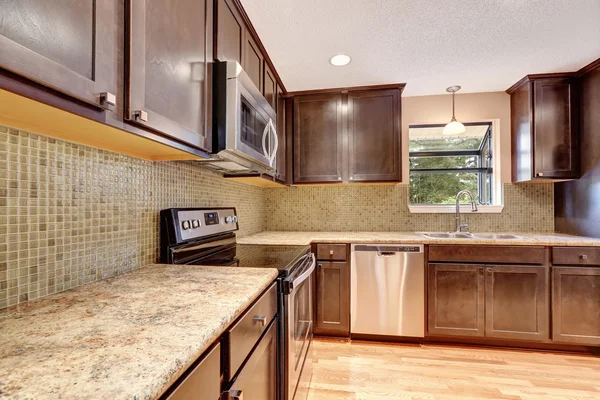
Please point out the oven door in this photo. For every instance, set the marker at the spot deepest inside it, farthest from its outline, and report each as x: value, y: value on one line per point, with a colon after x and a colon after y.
x: 299, y: 331
x: 251, y: 131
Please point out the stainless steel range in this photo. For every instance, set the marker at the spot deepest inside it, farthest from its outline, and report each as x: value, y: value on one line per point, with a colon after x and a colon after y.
x: 206, y: 236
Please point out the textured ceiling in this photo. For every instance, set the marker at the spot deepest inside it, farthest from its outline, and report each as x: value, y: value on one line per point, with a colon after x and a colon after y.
x: 482, y: 45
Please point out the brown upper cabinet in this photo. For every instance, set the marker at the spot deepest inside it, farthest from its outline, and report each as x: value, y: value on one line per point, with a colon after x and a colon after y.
x: 282, y: 135
x: 545, y: 128
x: 236, y: 41
x: 167, y: 85
x: 230, y: 32
x: 348, y: 136
x: 271, y: 88
x: 253, y: 62
x: 318, y: 136
x: 68, y: 46
x: 374, y: 135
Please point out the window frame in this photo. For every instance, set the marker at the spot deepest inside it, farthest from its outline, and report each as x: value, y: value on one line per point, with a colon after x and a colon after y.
x: 494, y: 205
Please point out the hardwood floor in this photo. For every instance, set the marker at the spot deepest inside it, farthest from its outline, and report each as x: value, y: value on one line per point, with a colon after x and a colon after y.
x: 373, y: 371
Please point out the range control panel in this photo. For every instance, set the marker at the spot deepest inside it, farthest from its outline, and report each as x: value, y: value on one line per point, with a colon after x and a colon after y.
x: 195, y: 223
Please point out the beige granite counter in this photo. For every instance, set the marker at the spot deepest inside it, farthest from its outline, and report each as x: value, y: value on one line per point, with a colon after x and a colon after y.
x: 304, y: 238
x: 127, y: 337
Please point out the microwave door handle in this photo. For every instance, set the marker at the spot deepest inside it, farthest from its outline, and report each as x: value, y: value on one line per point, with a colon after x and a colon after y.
x: 275, y: 144
x: 264, y: 142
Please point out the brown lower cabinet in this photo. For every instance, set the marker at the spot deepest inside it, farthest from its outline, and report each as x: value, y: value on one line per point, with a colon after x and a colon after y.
x: 456, y: 300
x: 333, y: 299
x: 576, y: 305
x: 495, y: 301
x: 517, y: 302
x: 241, y: 364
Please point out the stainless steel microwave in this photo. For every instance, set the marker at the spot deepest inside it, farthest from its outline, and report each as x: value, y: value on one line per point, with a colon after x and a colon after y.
x: 244, y: 133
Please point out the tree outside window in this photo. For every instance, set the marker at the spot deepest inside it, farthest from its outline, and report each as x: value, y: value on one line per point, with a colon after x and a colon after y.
x: 441, y: 166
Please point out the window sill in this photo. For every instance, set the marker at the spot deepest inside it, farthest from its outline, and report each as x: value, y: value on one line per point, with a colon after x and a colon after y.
x: 450, y: 209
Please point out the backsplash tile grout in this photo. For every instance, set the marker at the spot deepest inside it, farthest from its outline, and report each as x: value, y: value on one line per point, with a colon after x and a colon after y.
x: 72, y: 214
x: 527, y: 208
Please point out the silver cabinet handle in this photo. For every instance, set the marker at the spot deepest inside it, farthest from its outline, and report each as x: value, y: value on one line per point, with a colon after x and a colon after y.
x: 583, y: 257
x: 140, y: 115
x: 330, y: 252
x: 262, y: 320
x: 107, y: 99
x: 236, y: 395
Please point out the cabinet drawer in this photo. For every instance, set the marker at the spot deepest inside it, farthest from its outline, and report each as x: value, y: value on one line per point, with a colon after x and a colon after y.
x: 246, y: 332
x: 333, y: 252
x: 204, y: 382
x: 258, y: 379
x: 576, y: 256
x: 487, y: 254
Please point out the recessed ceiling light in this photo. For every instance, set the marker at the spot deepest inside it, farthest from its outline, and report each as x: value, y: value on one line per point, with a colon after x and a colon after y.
x: 340, y: 60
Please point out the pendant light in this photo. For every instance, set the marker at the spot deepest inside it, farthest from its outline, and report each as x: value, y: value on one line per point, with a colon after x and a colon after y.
x: 454, y: 127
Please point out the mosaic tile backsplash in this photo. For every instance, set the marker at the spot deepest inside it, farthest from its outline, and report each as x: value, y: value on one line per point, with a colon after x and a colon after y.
x: 527, y: 208
x: 71, y: 214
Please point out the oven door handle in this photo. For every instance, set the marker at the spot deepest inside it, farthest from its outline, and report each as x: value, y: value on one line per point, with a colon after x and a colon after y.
x: 304, y: 275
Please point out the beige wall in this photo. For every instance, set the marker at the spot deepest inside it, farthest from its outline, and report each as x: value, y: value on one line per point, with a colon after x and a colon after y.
x: 472, y: 107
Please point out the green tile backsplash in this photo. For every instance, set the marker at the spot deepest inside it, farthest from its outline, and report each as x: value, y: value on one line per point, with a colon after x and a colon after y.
x: 72, y: 214
x: 527, y: 208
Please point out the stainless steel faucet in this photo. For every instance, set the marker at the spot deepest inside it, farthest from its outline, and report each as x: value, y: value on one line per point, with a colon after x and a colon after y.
x: 459, y: 225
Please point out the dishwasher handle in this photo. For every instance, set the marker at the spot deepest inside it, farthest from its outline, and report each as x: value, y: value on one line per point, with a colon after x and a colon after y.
x: 388, y: 250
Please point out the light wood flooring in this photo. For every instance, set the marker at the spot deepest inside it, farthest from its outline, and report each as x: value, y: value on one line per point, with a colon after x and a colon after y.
x: 369, y: 371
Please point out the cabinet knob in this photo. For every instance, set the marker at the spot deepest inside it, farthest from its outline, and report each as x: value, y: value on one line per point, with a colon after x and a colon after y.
x: 320, y: 265
x: 260, y: 320
x: 351, y: 178
x: 540, y: 174
x: 583, y: 257
x: 339, y: 178
x: 140, y: 115
x: 330, y: 252
x: 236, y: 395
x: 107, y: 99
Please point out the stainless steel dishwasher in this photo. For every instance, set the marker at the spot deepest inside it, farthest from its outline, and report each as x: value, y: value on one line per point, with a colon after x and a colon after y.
x: 387, y: 290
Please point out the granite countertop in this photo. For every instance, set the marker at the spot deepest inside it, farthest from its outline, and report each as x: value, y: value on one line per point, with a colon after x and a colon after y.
x: 304, y: 238
x: 127, y: 337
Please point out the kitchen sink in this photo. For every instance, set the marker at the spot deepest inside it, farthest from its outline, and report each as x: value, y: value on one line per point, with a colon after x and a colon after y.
x: 496, y: 236
x: 467, y: 235
x: 447, y: 235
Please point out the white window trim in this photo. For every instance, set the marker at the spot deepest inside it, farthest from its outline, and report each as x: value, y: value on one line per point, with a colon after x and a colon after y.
x: 451, y: 209
x: 497, y: 206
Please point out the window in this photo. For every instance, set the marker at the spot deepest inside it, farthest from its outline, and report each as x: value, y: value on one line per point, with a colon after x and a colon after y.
x: 441, y: 166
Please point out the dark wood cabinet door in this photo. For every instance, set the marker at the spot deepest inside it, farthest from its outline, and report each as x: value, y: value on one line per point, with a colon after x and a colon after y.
x: 230, y: 32
x: 68, y: 45
x: 253, y: 61
x: 517, y: 302
x: 521, y: 133
x: 166, y: 72
x: 270, y: 88
x: 576, y: 305
x: 318, y: 138
x: 333, y: 299
x: 455, y: 300
x: 374, y: 135
x: 556, y: 128
x: 281, y: 159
